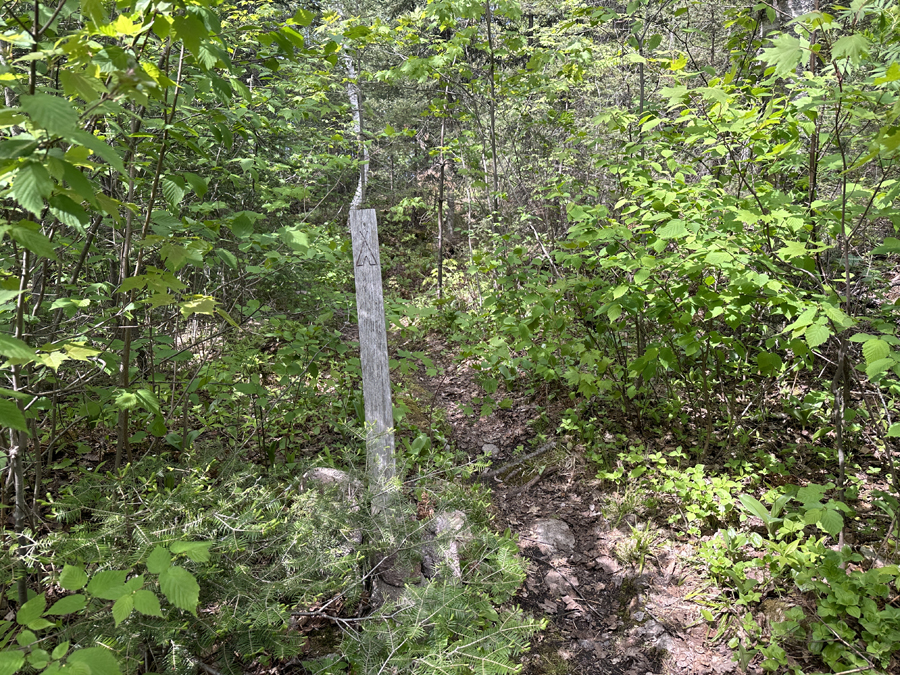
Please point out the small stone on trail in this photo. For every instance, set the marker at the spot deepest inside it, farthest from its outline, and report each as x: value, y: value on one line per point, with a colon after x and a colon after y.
x: 490, y: 449
x: 550, y: 536
x: 559, y: 584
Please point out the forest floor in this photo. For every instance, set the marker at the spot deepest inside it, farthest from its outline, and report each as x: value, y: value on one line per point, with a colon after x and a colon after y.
x: 617, y: 600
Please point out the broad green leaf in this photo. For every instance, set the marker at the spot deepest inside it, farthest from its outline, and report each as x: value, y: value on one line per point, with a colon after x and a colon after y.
x: 227, y: 257
x: 879, y: 366
x: 197, y: 183
x: 190, y: 31
x: 79, y: 351
x: 52, y: 113
x: 68, y: 605
x: 68, y: 212
x: 890, y: 245
x: 147, y: 603
x: 108, y: 585
x: 31, y: 610
x: 831, y: 521
x: 198, y: 551
x: 78, y: 84
x: 73, y: 578
x: 99, y: 660
x: 122, y: 608
x: 755, y: 507
x: 817, y: 334
x: 180, y: 588
x: 294, y: 237
x: 172, y: 192
x: 873, y: 350
x: 26, y: 637
x: 11, y: 661
x: 11, y: 148
x: 11, y: 417
x: 852, y: 47
x: 93, y: 10
x: 27, y: 234
x: 60, y: 650
x: 792, y: 249
x: 159, y: 560
x: 717, y: 257
x: 303, y: 17
x: 241, y: 225
x: 892, y: 74
x: 675, y: 228
x: 13, y: 348
x: 894, y: 431
x: 785, y: 54
x: 99, y: 148
x: 31, y: 185
x: 614, y: 311
x: 769, y: 363
x: 199, y: 304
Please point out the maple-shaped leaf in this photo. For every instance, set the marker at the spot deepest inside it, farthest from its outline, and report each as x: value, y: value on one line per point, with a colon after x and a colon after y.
x: 785, y: 54
x: 852, y: 47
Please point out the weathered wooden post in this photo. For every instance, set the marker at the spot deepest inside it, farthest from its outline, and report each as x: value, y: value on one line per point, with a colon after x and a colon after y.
x: 373, y: 357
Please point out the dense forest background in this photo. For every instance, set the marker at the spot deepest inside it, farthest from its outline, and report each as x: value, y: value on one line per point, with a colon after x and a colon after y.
x: 660, y: 237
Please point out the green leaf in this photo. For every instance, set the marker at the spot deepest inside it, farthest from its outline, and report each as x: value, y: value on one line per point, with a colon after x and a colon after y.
x: 817, y: 334
x: 303, y: 17
x: 172, y: 192
x: 12, y: 148
x: 28, y: 235
x: 879, y: 366
x: 227, y: 257
x: 26, y: 637
x: 122, y: 608
x: 31, y: 610
x: 11, y: 661
x: 890, y: 245
x: 873, y: 350
x: 31, y: 185
x: 792, y: 249
x: 68, y: 605
x: 11, y: 417
x: 197, y: 183
x: 108, y: 585
x: 675, y: 228
x: 785, y: 54
x: 190, y: 31
x: 241, y: 225
x: 13, y: 348
x: 99, y: 660
x: 52, y: 113
x: 99, y: 147
x: 831, y: 522
x: 614, y: 311
x: 159, y: 560
x: 198, y: 551
x: 769, y: 363
x: 147, y: 603
x: 60, y: 650
x: 894, y: 431
x: 73, y: 578
x: 93, y: 10
x: 755, y: 507
x: 892, y: 74
x: 68, y: 212
x: 180, y: 588
x: 852, y: 47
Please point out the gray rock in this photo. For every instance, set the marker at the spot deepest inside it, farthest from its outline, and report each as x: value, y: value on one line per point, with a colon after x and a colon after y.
x: 445, y: 533
x: 490, y: 449
x: 325, y: 477
x: 550, y: 536
x: 560, y: 584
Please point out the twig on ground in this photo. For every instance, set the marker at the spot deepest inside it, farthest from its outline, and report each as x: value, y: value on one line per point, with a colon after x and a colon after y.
x: 513, y: 464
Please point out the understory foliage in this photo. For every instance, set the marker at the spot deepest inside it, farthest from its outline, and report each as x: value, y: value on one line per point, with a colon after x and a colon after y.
x: 673, y: 225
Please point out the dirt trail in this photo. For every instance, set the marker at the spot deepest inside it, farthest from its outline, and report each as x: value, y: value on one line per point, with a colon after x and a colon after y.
x: 613, y: 607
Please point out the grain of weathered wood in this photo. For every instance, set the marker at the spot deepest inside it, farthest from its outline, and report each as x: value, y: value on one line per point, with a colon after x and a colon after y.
x: 373, y: 355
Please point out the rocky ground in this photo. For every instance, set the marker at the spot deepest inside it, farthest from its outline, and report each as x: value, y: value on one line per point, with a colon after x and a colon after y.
x: 616, y: 593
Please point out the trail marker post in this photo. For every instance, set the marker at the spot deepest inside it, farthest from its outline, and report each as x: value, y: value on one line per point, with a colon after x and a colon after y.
x: 373, y: 356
